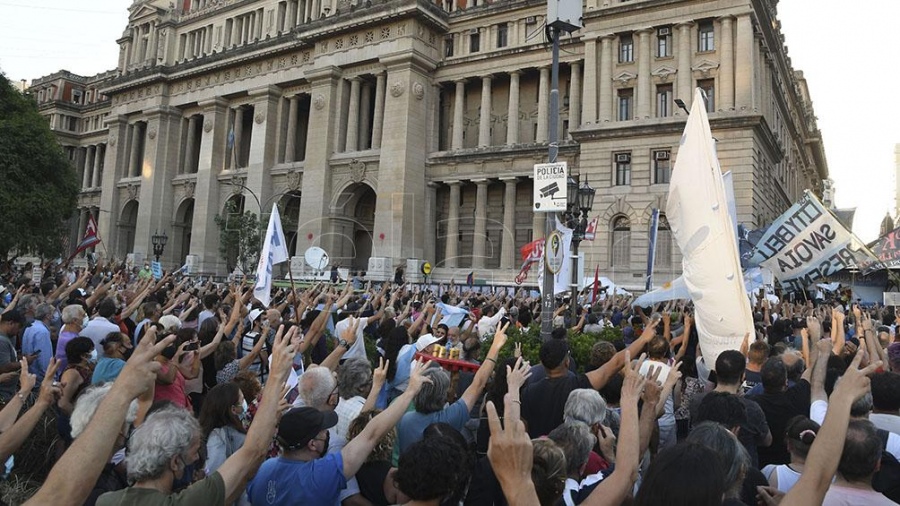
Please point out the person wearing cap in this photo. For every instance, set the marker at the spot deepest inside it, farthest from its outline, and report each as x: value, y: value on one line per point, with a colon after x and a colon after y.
x: 259, y: 328
x: 305, y: 474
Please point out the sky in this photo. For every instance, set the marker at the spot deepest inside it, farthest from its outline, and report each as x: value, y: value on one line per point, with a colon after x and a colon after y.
x: 845, y: 53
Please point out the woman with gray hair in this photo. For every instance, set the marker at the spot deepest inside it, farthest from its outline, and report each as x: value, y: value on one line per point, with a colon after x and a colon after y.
x: 587, y: 406
x: 575, y: 440
x: 358, y: 387
x: 113, y: 477
x: 74, y: 319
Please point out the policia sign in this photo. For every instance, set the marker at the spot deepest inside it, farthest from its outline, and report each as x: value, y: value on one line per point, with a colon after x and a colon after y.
x: 550, y: 187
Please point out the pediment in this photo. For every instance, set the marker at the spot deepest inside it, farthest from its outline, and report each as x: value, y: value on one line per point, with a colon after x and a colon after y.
x: 664, y: 72
x: 624, y: 77
x: 143, y: 10
x: 705, y: 66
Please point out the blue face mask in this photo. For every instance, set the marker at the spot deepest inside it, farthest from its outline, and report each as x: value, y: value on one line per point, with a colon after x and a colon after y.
x: 7, y: 298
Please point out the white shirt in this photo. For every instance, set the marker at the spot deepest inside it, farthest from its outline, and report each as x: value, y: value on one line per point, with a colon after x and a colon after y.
x: 817, y: 414
x: 488, y: 324
x: 358, y: 348
x: 347, y: 410
x: 890, y: 423
x: 97, y: 330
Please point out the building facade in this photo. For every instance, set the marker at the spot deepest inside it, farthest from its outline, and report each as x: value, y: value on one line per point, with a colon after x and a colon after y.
x: 399, y: 131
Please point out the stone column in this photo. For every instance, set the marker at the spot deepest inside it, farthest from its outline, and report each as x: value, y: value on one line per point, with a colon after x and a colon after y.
x: 156, y: 198
x: 644, y: 91
x: 262, y: 150
x: 605, y: 83
x: 86, y: 169
x: 484, y: 125
x: 479, y: 237
x: 451, y: 251
x: 95, y: 173
x: 508, y: 239
x: 458, y: 105
x: 115, y: 161
x: 137, y: 135
x: 685, y: 86
x: 353, y: 116
x: 575, y: 95
x: 98, y: 165
x: 543, y: 104
x: 512, y: 113
x: 589, y: 107
x: 726, y: 65
x: 211, y: 160
x: 237, y: 149
x: 378, y: 120
x: 290, y: 145
x: 190, y: 145
x: 745, y: 65
x: 430, y: 221
x: 365, y: 118
x: 89, y: 164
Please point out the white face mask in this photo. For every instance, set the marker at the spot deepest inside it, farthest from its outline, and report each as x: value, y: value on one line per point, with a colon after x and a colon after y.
x: 93, y: 358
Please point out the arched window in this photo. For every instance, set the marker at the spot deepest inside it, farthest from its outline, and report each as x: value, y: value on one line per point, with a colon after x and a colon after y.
x: 621, y: 242
x: 664, y: 250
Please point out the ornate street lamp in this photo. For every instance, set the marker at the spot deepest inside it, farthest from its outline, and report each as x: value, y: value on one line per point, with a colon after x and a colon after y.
x: 579, y: 204
x: 159, y: 243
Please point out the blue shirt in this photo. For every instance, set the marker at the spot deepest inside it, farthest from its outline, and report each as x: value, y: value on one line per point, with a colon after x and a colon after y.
x: 37, y: 337
x: 413, y: 424
x: 107, y: 369
x: 285, y: 482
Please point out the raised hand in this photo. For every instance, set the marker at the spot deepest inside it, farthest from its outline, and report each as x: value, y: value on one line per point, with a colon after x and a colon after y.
x: 379, y: 375
x: 855, y: 381
x: 350, y: 333
x: 416, y: 378
x: 814, y: 326
x: 500, y: 337
x: 139, y: 373
x: 283, y: 352
x: 509, y: 451
x: 51, y: 390
x: 26, y: 379
x: 518, y: 374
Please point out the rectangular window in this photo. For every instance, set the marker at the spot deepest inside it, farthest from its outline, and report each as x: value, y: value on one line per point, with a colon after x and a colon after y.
x: 623, y: 168
x: 626, y: 101
x: 626, y: 49
x: 502, y: 34
x: 474, y: 42
x: 662, y: 168
x: 709, y: 87
x: 706, y: 37
x: 448, y: 46
x: 663, y: 42
x: 663, y: 100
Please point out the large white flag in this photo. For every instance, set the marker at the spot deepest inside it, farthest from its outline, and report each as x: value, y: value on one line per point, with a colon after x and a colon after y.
x: 697, y: 211
x: 562, y: 280
x: 274, y: 251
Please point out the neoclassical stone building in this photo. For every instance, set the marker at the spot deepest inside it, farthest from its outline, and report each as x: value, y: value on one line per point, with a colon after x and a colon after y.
x: 398, y: 130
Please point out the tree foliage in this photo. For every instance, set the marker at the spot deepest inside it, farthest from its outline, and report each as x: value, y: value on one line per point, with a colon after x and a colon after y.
x: 239, y: 237
x: 38, y: 185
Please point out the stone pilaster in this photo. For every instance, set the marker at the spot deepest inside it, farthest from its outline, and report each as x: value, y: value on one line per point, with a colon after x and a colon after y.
x: 644, y: 91
x: 726, y: 64
x: 353, y: 116
x: 685, y: 86
x: 512, y: 113
x: 480, y: 235
x: 451, y: 252
x: 204, y: 231
x: 745, y: 65
x: 459, y: 104
x: 543, y: 104
x: 605, y: 83
x: 575, y: 95
x: 589, y: 107
x: 484, y: 125
x: 508, y: 238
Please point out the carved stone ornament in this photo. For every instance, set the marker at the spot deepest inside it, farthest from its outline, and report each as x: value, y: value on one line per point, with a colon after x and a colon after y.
x: 113, y: 140
x: 418, y: 90
x: 397, y: 89
x: 260, y: 117
x: 319, y: 101
x: 189, y: 188
x: 357, y: 171
x: 237, y: 184
x: 133, y: 191
x: 207, y: 126
x: 151, y: 133
x: 294, y: 180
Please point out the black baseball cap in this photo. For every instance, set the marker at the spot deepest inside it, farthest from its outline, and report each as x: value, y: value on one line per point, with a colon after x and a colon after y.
x: 13, y: 315
x: 300, y: 425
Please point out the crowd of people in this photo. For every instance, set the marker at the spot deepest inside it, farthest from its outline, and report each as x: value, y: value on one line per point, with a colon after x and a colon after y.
x: 186, y: 391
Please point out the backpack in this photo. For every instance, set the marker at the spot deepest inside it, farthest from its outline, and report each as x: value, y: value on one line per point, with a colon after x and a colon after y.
x: 887, y: 479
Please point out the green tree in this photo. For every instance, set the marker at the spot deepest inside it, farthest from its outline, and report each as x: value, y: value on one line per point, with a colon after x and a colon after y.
x: 239, y: 237
x: 38, y: 185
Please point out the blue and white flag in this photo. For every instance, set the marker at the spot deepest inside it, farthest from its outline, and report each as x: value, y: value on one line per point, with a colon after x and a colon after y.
x: 274, y: 251
x: 651, y: 251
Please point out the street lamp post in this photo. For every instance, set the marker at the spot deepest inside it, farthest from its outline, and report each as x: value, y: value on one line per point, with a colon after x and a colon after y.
x: 159, y: 243
x: 579, y: 204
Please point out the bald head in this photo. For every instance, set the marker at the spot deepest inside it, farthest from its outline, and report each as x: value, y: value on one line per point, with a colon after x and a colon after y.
x: 274, y: 318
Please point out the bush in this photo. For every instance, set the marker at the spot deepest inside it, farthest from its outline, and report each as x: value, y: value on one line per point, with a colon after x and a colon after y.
x: 530, y: 338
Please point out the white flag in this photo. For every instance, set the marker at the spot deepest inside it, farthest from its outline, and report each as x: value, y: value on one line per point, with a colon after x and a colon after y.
x: 274, y: 251
x: 697, y: 211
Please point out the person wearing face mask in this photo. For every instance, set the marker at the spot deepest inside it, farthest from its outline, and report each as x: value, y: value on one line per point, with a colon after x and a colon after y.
x: 115, y: 347
x: 81, y: 357
x: 222, y: 422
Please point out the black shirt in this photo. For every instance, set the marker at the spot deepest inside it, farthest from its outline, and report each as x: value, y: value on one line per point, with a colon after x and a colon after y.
x: 779, y: 408
x: 543, y: 402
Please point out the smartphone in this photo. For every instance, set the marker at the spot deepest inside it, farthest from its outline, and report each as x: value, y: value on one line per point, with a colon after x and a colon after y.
x: 192, y: 346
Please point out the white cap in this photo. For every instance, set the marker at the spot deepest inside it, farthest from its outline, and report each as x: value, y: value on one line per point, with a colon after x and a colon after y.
x: 255, y: 314
x: 426, y: 341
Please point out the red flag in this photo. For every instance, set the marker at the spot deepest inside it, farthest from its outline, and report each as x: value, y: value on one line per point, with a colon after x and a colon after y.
x: 532, y: 251
x: 591, y: 231
x: 90, y: 236
x: 596, y: 285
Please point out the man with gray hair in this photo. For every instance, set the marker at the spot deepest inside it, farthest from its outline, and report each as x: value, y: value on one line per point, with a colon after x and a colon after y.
x: 36, y: 341
x: 354, y: 382
x: 576, y: 441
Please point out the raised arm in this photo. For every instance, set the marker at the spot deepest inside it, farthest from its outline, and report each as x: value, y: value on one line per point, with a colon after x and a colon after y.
x: 12, y: 439
x: 471, y: 395
x: 817, y: 382
x: 600, y: 376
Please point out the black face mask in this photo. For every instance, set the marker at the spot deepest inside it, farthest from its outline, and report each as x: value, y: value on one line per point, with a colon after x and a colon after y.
x: 327, y: 442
